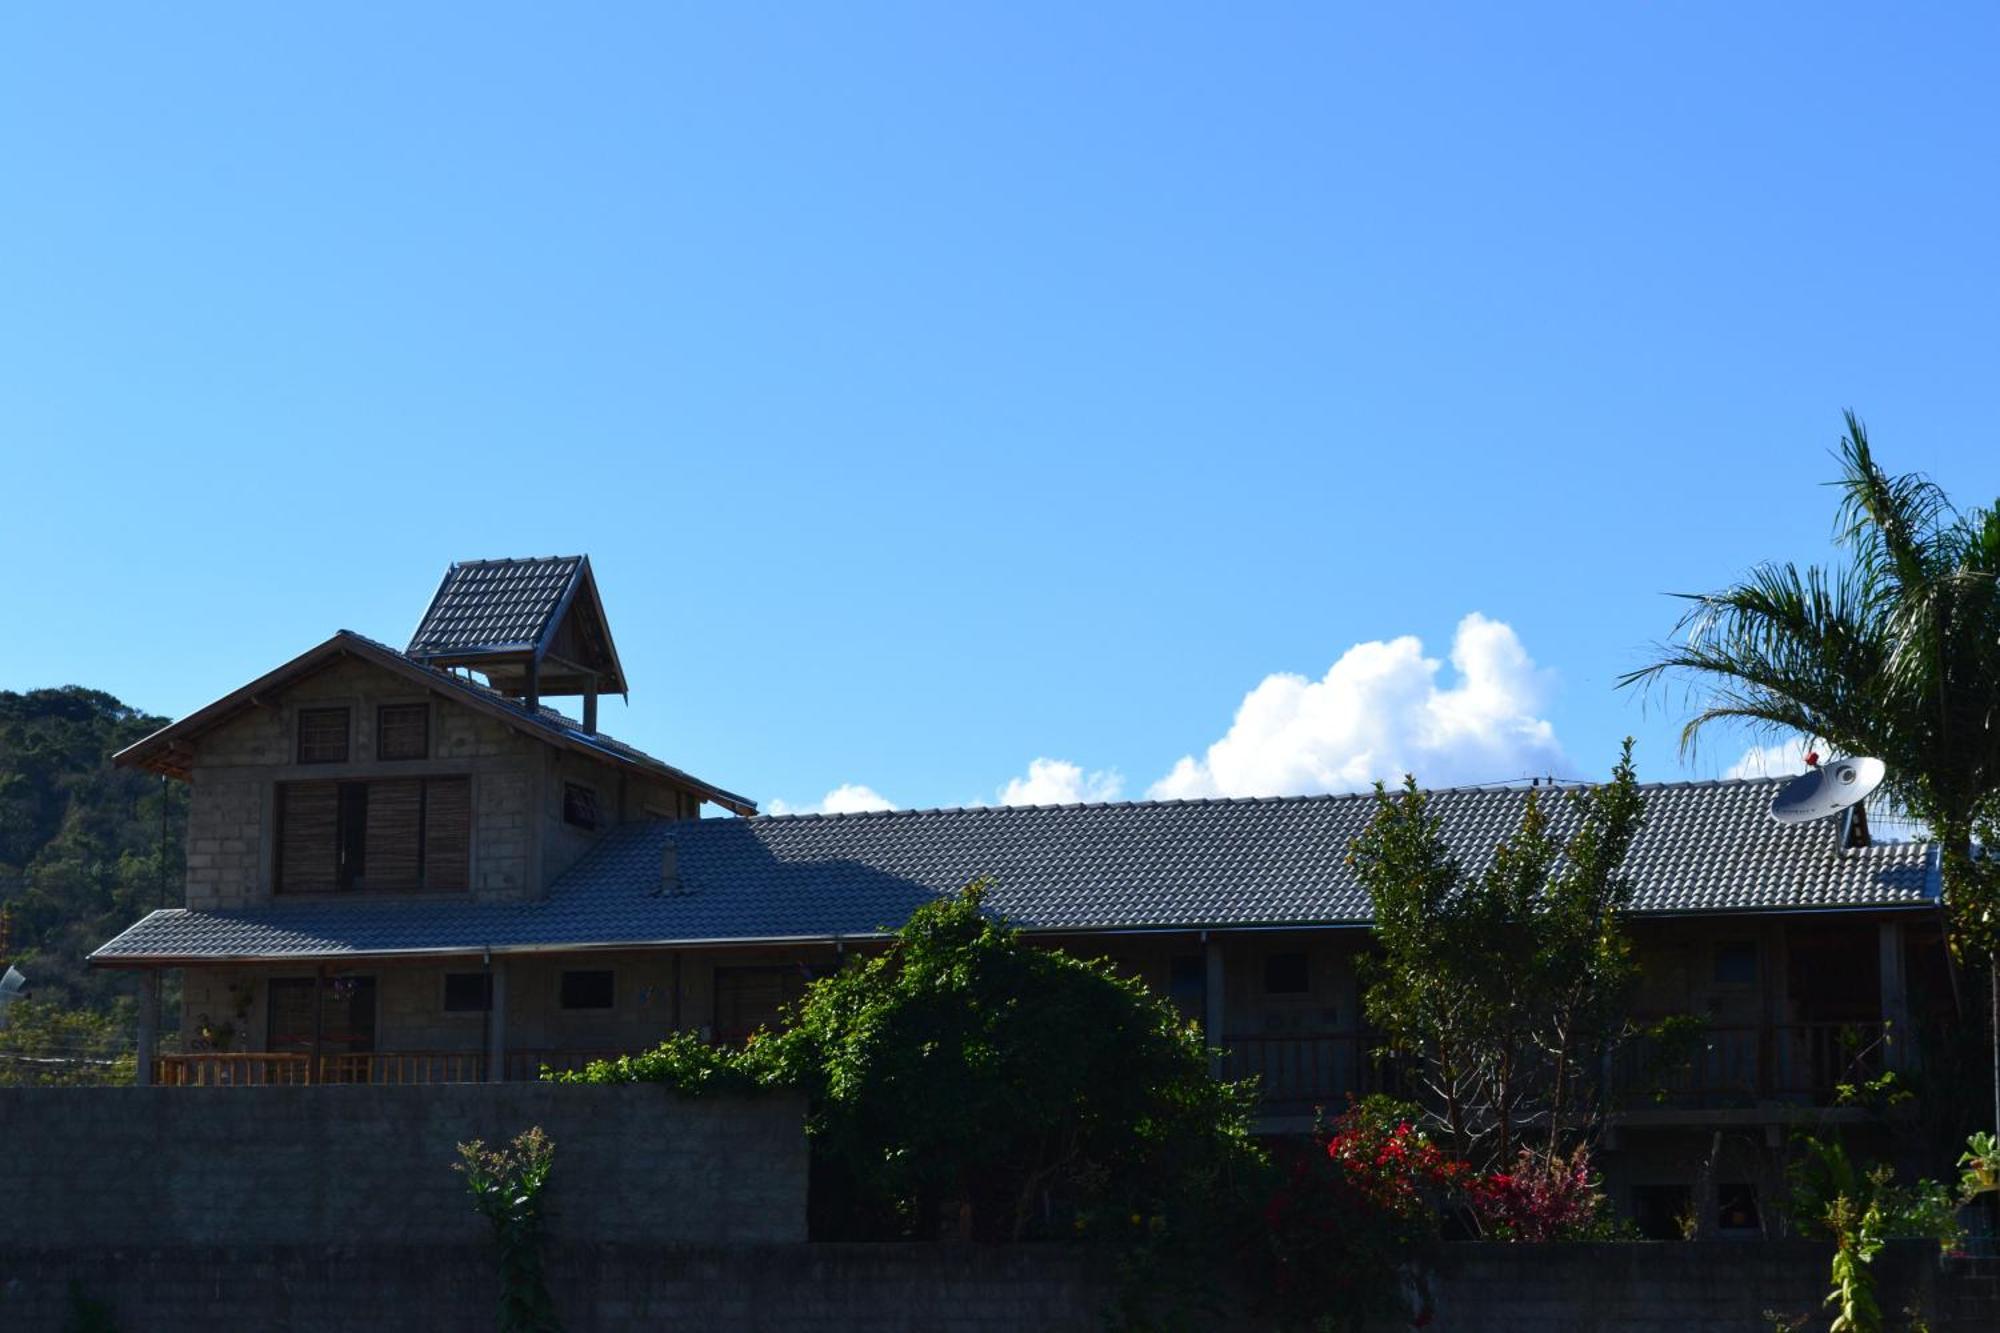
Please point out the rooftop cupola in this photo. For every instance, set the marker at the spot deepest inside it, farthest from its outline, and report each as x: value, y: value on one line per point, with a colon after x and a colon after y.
x: 533, y: 628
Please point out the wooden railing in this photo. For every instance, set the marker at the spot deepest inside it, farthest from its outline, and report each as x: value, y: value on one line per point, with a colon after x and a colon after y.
x: 1297, y: 1073
x: 242, y: 1069
x: 229, y: 1069
x: 1742, y: 1064
x: 1725, y: 1066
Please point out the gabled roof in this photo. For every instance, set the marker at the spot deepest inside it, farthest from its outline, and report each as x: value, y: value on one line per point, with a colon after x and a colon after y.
x: 495, y: 615
x: 1707, y: 848
x: 169, y: 749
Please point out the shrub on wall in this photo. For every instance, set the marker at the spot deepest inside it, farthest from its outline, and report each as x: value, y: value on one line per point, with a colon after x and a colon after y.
x: 506, y: 1185
x: 966, y: 1082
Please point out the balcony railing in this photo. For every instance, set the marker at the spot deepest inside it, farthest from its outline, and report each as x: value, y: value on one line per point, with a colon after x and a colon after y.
x: 1726, y: 1066
x: 1743, y: 1064
x: 243, y: 1069
x: 1299, y: 1072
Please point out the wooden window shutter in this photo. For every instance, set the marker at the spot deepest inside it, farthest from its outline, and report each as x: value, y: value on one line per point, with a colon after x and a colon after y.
x: 308, y: 837
x: 402, y: 731
x: 322, y: 735
x: 448, y: 834
x: 395, y: 835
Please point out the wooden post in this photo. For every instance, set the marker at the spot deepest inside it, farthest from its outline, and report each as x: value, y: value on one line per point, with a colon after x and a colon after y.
x: 590, y: 707
x: 149, y: 1027
x: 534, y: 683
x: 496, y: 1027
x: 319, y: 1023
x: 1900, y: 1048
x: 1212, y: 1010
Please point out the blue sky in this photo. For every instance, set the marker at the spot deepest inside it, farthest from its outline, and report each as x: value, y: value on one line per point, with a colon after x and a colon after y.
x: 938, y: 389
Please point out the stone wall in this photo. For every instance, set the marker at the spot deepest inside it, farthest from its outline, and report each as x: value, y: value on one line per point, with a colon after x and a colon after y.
x: 354, y: 1166
x: 1636, y: 1288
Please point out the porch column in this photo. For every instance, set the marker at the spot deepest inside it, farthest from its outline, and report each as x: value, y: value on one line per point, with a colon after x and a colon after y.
x: 1901, y: 1050
x: 149, y: 1027
x: 496, y: 1024
x: 1212, y: 1007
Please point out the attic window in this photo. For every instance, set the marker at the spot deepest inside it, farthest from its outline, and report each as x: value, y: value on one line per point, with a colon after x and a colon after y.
x: 579, y: 805
x: 322, y: 735
x: 403, y: 731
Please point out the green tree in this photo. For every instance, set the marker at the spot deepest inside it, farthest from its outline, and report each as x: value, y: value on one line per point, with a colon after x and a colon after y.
x: 46, y: 1045
x: 1506, y: 989
x: 1895, y: 653
x: 966, y: 1079
x: 86, y: 848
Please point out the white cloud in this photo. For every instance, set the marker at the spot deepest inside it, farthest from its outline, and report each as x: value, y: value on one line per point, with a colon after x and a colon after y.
x: 1784, y: 760
x: 1382, y: 711
x: 1059, y: 782
x: 849, y: 798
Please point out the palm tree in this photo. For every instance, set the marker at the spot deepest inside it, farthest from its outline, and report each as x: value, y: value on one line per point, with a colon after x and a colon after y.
x: 1896, y: 654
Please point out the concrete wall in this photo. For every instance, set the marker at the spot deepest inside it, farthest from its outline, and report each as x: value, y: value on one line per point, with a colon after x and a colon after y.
x: 355, y: 1166
x: 1637, y: 1288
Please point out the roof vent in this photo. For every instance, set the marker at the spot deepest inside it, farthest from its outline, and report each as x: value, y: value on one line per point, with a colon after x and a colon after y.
x: 533, y: 628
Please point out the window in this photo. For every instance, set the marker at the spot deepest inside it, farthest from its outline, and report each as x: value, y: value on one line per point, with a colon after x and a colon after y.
x: 322, y: 735
x: 403, y: 731
x: 1187, y: 984
x: 1286, y: 974
x: 1736, y: 1208
x: 1736, y: 963
x: 586, y: 990
x: 579, y: 805
x: 401, y: 835
x: 467, y: 992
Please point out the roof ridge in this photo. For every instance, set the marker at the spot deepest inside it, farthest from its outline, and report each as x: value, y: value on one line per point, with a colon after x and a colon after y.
x: 1295, y: 798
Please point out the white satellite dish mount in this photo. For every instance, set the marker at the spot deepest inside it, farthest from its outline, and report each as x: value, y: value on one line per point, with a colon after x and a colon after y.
x: 1837, y: 787
x: 12, y: 987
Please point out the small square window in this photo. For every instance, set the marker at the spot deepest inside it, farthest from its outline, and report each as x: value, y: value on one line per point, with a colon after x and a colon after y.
x: 586, y: 990
x: 579, y: 805
x: 467, y: 992
x: 1736, y: 964
x: 1736, y: 1208
x: 403, y: 731
x: 1286, y: 974
x: 322, y: 735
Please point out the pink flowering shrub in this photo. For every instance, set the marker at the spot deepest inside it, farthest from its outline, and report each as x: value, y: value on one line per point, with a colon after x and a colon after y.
x: 1546, y: 1196
x: 1352, y: 1216
x: 1350, y: 1213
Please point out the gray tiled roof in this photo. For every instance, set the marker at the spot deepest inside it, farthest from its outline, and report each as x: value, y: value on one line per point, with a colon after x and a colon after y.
x: 1706, y: 848
x: 494, y: 604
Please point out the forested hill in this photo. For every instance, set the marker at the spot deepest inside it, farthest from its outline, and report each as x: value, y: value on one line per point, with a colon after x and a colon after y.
x: 80, y: 848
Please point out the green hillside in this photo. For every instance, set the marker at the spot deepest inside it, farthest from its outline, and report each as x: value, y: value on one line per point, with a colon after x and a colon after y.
x: 80, y: 841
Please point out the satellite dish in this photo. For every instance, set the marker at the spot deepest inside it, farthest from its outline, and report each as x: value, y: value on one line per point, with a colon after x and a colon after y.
x: 12, y: 987
x: 1827, y: 790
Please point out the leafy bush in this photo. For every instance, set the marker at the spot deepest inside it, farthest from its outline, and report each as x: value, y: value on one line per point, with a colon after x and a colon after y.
x: 1859, y: 1209
x: 964, y: 1080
